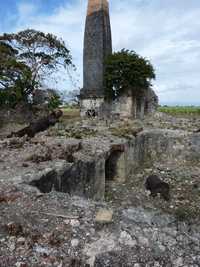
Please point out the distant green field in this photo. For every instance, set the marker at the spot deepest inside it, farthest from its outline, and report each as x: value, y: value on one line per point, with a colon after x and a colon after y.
x: 180, y: 110
x: 70, y: 113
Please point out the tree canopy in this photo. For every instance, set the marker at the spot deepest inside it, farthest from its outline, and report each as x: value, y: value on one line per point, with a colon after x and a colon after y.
x: 15, y: 77
x: 126, y: 71
x: 29, y: 57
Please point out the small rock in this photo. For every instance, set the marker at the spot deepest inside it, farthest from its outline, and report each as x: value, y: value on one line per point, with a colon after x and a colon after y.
x: 42, y: 250
x: 21, y: 264
x: 21, y: 241
x: 12, y: 246
x: 25, y: 165
x: 39, y: 194
x: 74, y: 242
x: 157, y: 264
x: 126, y: 239
x: 75, y: 223
x: 162, y: 248
x: 143, y: 241
x: 178, y: 262
x: 148, y: 170
x: 104, y: 216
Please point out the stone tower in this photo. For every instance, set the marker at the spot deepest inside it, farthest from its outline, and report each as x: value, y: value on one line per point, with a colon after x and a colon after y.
x: 97, y: 45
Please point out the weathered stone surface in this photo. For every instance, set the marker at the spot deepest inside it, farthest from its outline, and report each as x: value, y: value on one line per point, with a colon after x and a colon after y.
x: 38, y: 126
x: 95, y: 104
x: 104, y: 216
x: 126, y: 239
x: 151, y: 101
x: 122, y: 107
x: 129, y: 106
x: 83, y: 167
x: 57, y: 229
x: 131, y: 257
x: 97, y: 45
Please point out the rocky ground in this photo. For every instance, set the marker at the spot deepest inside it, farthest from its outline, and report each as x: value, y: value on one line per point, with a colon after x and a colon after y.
x: 128, y: 228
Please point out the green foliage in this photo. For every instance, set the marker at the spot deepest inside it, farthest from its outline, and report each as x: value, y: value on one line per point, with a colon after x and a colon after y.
x: 125, y: 71
x: 41, y: 52
x: 54, y: 101
x: 126, y: 130
x: 15, y: 77
x: 186, y: 213
x: 28, y: 58
x: 180, y: 110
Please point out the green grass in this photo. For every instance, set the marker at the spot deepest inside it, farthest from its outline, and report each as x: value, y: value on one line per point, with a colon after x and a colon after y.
x: 70, y: 113
x: 180, y: 110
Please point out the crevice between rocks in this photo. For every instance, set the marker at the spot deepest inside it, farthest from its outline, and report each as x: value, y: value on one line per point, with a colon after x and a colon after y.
x: 87, y: 173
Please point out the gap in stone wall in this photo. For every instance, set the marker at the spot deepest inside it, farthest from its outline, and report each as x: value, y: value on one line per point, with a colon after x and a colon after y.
x: 46, y: 183
x: 113, y: 166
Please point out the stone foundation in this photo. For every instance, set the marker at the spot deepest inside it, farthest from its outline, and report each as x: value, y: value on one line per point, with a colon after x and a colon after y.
x: 90, y: 104
x: 100, y: 159
x: 115, y: 167
x: 124, y: 107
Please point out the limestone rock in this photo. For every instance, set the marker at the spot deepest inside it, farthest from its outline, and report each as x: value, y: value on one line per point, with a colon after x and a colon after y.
x: 104, y: 216
x: 126, y: 239
x: 74, y: 242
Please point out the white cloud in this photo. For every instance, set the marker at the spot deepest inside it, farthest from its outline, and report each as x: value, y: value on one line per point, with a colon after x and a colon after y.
x: 166, y: 32
x: 26, y: 9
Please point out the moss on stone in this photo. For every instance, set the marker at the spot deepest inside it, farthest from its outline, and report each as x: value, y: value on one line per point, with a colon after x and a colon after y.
x: 126, y: 131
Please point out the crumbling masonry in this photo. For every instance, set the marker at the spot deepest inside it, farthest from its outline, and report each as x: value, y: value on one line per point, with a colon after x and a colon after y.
x: 97, y: 45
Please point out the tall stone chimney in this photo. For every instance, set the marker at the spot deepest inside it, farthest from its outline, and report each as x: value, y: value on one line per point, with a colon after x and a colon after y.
x: 97, y: 45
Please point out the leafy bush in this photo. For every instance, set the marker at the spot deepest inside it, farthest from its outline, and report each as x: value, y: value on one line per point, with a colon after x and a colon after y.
x: 126, y: 71
x: 54, y: 102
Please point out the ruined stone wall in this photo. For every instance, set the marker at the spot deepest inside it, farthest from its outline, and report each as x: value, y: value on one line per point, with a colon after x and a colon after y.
x: 151, y: 101
x: 123, y: 107
x: 114, y: 158
x: 130, y: 107
x: 90, y: 104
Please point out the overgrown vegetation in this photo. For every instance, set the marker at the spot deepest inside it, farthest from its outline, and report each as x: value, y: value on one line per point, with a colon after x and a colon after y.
x: 178, y: 110
x: 126, y: 71
x: 71, y: 131
x: 54, y: 101
x: 27, y: 59
x: 15, y: 77
x: 126, y: 131
x: 70, y: 113
x: 186, y: 213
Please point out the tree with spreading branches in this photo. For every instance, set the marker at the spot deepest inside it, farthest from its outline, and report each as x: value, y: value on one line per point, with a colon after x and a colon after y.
x: 15, y: 77
x: 30, y: 57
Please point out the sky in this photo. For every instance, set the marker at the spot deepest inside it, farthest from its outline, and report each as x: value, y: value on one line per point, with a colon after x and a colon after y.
x: 167, y: 32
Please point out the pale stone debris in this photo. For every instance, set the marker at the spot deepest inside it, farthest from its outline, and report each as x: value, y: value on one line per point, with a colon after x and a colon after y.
x: 104, y: 216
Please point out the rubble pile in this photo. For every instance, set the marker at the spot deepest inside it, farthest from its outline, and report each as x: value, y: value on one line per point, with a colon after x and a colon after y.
x: 81, y: 201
